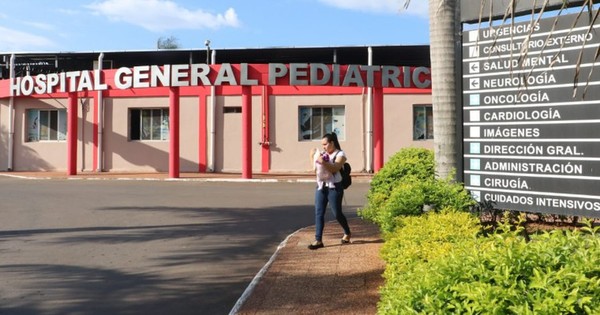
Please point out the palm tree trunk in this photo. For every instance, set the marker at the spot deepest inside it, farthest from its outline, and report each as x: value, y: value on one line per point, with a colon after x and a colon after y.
x: 442, y: 30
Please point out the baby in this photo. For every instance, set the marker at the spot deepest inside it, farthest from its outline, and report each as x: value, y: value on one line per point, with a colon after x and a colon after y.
x: 322, y: 173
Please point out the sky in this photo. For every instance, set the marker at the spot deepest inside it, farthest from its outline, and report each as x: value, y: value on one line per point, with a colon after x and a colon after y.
x: 125, y: 25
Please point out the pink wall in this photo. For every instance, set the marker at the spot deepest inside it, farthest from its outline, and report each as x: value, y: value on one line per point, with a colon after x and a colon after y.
x: 287, y: 153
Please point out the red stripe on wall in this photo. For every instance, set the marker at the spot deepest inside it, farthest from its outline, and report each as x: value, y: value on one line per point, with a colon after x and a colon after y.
x: 95, y: 134
x: 202, y: 131
x: 72, y: 134
x: 246, y: 133
x: 265, y: 120
x: 174, y: 132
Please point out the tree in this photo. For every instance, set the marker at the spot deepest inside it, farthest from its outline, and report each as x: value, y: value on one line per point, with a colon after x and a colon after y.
x: 444, y: 17
x: 443, y: 27
x: 170, y: 42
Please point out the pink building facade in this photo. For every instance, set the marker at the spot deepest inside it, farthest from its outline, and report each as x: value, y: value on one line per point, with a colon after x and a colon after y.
x: 197, y: 117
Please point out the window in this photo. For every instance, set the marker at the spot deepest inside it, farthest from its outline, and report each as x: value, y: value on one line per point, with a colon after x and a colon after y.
x: 232, y: 109
x: 46, y: 125
x: 423, y: 122
x: 149, y: 124
x: 314, y: 122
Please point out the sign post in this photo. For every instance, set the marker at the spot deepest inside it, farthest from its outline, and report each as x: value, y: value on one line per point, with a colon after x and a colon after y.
x: 531, y: 119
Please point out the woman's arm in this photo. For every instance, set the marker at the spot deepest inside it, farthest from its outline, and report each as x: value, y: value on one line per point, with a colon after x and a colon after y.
x: 312, y: 158
x: 336, y: 165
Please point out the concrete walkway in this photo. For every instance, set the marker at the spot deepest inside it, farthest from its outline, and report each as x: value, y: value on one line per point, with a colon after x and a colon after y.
x: 336, y: 279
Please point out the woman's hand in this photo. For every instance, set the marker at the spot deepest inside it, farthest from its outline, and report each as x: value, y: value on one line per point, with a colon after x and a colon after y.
x: 320, y: 159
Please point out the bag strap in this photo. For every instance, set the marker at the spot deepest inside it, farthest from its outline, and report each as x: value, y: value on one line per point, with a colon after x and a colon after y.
x: 335, y: 156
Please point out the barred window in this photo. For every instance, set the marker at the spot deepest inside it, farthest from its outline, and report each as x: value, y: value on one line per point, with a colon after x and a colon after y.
x: 423, y: 122
x: 316, y: 121
x: 149, y: 124
x: 46, y: 125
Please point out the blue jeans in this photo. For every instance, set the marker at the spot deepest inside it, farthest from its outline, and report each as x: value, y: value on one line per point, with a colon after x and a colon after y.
x: 334, y: 198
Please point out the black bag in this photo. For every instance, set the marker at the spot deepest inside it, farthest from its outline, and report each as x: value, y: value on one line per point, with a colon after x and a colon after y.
x: 346, y: 178
x: 345, y: 172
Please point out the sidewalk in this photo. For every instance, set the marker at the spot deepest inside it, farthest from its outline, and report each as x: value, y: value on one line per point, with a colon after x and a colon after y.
x: 256, y: 177
x: 336, y: 279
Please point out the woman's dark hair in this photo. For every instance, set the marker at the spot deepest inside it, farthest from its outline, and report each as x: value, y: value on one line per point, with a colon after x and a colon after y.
x: 333, y: 137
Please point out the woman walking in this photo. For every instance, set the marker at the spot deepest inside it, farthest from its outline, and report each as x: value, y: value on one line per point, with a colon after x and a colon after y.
x: 329, y: 187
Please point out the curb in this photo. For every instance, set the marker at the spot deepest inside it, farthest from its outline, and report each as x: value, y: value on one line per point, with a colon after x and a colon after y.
x: 232, y: 180
x: 24, y: 177
x: 239, y: 180
x: 258, y: 277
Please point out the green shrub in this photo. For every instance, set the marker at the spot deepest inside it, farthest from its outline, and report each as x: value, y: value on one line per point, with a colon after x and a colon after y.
x: 417, y: 241
x: 435, y: 265
x: 392, y: 195
x: 406, y: 198
x: 417, y: 163
x: 409, y: 197
x: 406, y: 166
x: 444, y: 193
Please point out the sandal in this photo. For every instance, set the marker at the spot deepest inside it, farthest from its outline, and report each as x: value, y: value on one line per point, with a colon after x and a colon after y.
x: 346, y: 239
x: 316, y: 245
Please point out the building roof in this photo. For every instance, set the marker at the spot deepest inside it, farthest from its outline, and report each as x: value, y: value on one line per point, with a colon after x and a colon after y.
x: 52, y: 62
x: 473, y: 10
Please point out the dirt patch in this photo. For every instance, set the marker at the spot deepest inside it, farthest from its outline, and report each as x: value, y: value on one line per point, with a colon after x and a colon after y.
x: 536, y: 222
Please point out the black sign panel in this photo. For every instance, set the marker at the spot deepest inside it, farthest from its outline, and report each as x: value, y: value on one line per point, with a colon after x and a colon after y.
x: 525, y: 149
x: 539, y: 113
x: 566, y: 167
x: 531, y: 116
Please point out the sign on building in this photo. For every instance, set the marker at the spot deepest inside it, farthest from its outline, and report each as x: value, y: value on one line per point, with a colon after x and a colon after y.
x: 531, y: 115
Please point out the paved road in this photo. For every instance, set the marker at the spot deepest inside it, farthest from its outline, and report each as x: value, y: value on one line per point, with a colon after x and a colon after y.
x: 142, y: 247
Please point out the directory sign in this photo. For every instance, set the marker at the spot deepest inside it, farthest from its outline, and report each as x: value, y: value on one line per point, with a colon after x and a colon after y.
x: 531, y: 115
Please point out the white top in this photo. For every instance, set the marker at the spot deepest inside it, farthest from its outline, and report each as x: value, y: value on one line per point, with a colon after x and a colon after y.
x: 337, y: 177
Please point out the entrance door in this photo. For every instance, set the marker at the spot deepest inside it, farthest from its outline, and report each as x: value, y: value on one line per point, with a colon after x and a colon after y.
x: 228, y: 157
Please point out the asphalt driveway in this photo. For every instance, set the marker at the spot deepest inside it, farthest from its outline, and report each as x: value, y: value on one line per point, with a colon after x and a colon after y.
x: 142, y: 247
